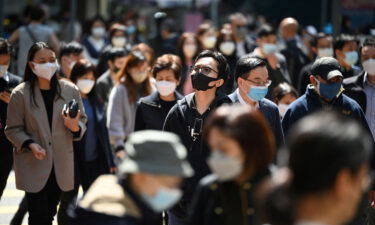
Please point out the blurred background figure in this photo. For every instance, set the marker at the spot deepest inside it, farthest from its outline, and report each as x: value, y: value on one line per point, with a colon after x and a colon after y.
x: 31, y: 33
x: 188, y: 49
x: 283, y: 95
x: 346, y: 52
x: 133, y: 82
x: 276, y: 62
x: 70, y: 54
x: 95, y: 39
x: 291, y: 47
x: 207, y: 37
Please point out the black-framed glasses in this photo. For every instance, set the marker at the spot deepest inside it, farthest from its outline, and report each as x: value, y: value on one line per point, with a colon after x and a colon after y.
x: 202, y: 69
x: 260, y: 83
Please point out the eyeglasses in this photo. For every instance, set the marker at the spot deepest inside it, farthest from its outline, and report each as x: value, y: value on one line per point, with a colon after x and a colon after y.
x: 202, y: 69
x: 260, y: 83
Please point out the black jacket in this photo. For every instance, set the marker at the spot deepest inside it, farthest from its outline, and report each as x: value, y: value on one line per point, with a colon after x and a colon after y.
x: 150, y: 113
x: 185, y: 121
x: 6, y: 86
x: 225, y: 203
x: 354, y: 89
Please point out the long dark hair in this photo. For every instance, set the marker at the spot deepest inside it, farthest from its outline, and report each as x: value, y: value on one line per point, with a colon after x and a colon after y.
x: 249, y: 128
x: 134, y: 59
x: 32, y: 78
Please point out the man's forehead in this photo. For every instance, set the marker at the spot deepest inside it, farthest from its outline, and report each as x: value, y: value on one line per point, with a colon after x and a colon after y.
x: 206, y: 61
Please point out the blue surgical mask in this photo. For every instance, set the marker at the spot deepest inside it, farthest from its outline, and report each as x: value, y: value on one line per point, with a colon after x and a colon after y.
x: 257, y: 93
x: 164, y: 199
x: 329, y: 91
x: 131, y: 29
x: 269, y: 48
x: 351, y: 58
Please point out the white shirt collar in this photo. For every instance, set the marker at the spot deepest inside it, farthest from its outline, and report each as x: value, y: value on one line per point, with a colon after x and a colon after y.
x: 241, y: 100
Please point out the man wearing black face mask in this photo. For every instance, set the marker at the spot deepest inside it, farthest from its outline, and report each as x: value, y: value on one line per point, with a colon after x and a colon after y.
x: 116, y: 60
x: 187, y: 117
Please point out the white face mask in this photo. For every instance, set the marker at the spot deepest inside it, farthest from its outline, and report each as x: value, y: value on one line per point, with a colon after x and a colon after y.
x: 3, y: 70
x: 45, y: 70
x: 98, y: 32
x: 227, y: 47
x: 282, y: 109
x: 165, y: 88
x: 119, y: 42
x: 369, y: 66
x: 226, y: 168
x: 139, y: 77
x: 85, y: 85
x: 209, y: 42
x: 325, y: 52
x: 190, y: 50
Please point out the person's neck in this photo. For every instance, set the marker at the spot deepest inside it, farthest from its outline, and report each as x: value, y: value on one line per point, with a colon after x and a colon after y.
x: 371, y: 78
x: 66, y: 70
x: 247, y: 98
x: 83, y: 95
x: 168, y: 98
x: 113, y: 76
x: 319, y: 209
x: 33, y: 22
x: 189, y: 61
x: 203, y: 99
x: 44, y: 84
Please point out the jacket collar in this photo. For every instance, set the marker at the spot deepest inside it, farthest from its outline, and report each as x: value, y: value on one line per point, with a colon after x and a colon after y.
x: 154, y: 98
x: 218, y: 100
x: 315, y: 99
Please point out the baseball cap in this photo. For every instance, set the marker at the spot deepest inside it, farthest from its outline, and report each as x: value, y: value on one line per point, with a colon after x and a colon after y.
x: 326, y: 68
x: 155, y: 152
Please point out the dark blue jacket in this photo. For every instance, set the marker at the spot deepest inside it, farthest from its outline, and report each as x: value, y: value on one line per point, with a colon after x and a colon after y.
x: 311, y: 102
x: 102, y: 138
x: 271, y: 112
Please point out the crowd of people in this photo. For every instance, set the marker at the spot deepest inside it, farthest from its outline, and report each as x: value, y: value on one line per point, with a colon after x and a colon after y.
x: 221, y: 126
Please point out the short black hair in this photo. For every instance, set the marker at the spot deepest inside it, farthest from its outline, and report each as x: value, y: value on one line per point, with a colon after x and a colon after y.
x: 343, y: 39
x: 321, y: 35
x: 70, y: 48
x: 370, y: 41
x: 265, y: 30
x: 37, y: 13
x: 115, y: 53
x: 246, y: 64
x: 222, y: 63
x: 5, y: 47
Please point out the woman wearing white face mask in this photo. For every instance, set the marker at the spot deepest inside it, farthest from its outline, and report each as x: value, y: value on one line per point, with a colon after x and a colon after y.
x: 188, y: 49
x: 283, y: 95
x: 152, y: 110
x: 242, y: 149
x: 94, y: 154
x: 206, y: 36
x: 133, y: 83
x: 43, y: 134
x: 95, y: 42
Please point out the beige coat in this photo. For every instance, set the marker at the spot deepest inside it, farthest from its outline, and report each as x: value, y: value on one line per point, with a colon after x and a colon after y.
x: 27, y: 121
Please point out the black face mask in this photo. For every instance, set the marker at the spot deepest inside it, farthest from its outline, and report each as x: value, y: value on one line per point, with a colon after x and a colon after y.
x: 200, y: 81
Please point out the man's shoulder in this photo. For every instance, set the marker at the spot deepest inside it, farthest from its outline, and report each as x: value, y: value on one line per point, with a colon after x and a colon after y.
x: 103, y: 78
x: 354, y: 81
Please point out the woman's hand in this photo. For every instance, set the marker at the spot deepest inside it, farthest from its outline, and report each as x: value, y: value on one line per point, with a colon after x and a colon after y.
x: 38, y: 151
x: 71, y: 123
